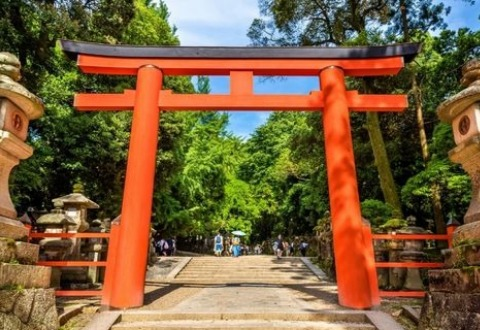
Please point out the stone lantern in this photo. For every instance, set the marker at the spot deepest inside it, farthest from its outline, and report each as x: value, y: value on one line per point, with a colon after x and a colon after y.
x: 452, y: 300
x: 17, y: 256
x: 55, y: 222
x: 75, y: 206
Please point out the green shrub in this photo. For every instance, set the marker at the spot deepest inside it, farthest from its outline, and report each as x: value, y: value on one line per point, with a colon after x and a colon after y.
x: 377, y: 212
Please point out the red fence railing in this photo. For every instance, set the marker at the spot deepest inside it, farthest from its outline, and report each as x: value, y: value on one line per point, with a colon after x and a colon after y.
x: 111, y: 256
x: 430, y: 237
x: 70, y: 263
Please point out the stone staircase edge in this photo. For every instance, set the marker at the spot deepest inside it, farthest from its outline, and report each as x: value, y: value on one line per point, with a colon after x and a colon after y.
x: 382, y: 321
x: 317, y: 271
x: 241, y: 324
x: 103, y: 320
x: 70, y: 312
x: 178, y: 268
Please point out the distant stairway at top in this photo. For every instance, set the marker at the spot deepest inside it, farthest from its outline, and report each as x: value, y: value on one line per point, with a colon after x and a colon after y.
x: 246, y: 269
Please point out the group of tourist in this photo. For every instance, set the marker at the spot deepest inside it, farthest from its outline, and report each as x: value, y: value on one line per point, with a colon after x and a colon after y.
x: 165, y: 247
x: 281, y: 247
x: 232, y: 246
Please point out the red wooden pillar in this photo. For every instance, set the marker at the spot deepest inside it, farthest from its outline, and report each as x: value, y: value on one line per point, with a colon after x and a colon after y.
x: 132, y: 246
x: 111, y: 260
x: 371, y: 267
x: 354, y: 289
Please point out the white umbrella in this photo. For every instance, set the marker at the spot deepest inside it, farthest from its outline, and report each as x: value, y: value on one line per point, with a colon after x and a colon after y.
x: 238, y: 233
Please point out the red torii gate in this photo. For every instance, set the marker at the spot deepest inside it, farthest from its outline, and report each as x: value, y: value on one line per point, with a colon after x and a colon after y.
x: 354, y: 259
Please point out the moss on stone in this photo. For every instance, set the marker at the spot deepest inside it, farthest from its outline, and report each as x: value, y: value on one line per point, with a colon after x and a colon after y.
x: 470, y: 270
x: 13, y: 287
x: 10, y: 242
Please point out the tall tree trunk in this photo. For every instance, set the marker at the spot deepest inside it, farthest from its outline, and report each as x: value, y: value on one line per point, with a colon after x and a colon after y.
x: 417, y: 97
x: 440, y: 225
x: 435, y: 188
x: 387, y: 183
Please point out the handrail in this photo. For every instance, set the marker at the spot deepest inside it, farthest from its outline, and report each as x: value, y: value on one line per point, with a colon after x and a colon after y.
x: 54, y: 263
x: 409, y: 264
x: 439, y: 237
x: 70, y: 235
x: 78, y: 293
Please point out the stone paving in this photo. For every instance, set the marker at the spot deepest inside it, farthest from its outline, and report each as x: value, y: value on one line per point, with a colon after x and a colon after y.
x: 175, y: 305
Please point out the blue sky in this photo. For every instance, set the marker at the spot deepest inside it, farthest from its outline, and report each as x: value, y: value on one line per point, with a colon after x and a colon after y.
x: 225, y: 23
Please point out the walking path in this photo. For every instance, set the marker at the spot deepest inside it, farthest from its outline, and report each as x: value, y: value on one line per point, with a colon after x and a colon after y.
x: 250, y: 292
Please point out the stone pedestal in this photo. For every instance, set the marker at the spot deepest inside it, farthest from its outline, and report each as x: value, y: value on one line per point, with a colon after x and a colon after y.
x: 381, y: 255
x: 413, y: 252
x: 453, y: 300
x: 396, y: 275
x: 94, y: 248
x: 413, y: 279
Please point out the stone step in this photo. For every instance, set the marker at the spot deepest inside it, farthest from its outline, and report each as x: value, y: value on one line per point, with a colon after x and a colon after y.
x: 204, y: 277
x: 236, y: 282
x: 250, y: 260
x: 264, y: 268
x: 324, y: 315
x: 246, y: 269
x: 245, y: 276
x: 225, y: 272
x: 241, y: 325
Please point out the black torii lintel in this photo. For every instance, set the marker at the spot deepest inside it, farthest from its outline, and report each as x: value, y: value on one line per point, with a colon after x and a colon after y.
x: 74, y: 48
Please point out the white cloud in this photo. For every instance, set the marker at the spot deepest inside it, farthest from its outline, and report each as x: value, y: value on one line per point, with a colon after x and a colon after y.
x: 226, y: 22
x: 212, y: 22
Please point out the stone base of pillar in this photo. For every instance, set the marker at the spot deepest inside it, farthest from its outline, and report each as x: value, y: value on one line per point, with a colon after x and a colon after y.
x: 13, y: 229
x: 453, y: 301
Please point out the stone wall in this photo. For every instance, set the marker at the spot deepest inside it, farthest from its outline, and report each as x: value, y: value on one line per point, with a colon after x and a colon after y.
x: 28, y: 309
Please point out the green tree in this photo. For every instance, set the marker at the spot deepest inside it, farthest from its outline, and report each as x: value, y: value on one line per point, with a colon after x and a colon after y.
x: 327, y: 22
x: 90, y: 147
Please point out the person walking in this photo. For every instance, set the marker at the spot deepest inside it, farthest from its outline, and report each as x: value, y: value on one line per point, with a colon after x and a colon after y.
x: 218, y: 245
x: 236, y: 246
x: 303, y: 248
x: 286, y: 248
x: 279, y: 247
x: 228, y: 246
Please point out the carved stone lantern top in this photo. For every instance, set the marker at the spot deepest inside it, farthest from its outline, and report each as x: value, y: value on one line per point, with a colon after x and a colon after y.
x: 77, y: 200
x: 10, y: 89
x: 56, y: 219
x: 454, y: 106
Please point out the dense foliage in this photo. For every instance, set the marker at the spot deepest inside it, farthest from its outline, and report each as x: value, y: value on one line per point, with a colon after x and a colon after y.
x: 207, y: 178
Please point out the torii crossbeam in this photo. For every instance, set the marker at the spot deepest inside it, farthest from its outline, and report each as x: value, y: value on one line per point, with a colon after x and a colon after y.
x: 354, y: 259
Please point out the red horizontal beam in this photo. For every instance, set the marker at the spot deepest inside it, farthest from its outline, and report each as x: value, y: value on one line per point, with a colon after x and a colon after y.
x: 259, y: 67
x: 411, y: 237
x: 406, y: 294
x: 78, y: 293
x: 70, y: 235
x: 202, y: 102
x: 409, y: 264
x: 72, y: 263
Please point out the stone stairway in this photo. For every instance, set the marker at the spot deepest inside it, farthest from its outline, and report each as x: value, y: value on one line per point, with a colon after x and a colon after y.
x: 246, y: 269
x: 253, y: 321
x: 250, y: 292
